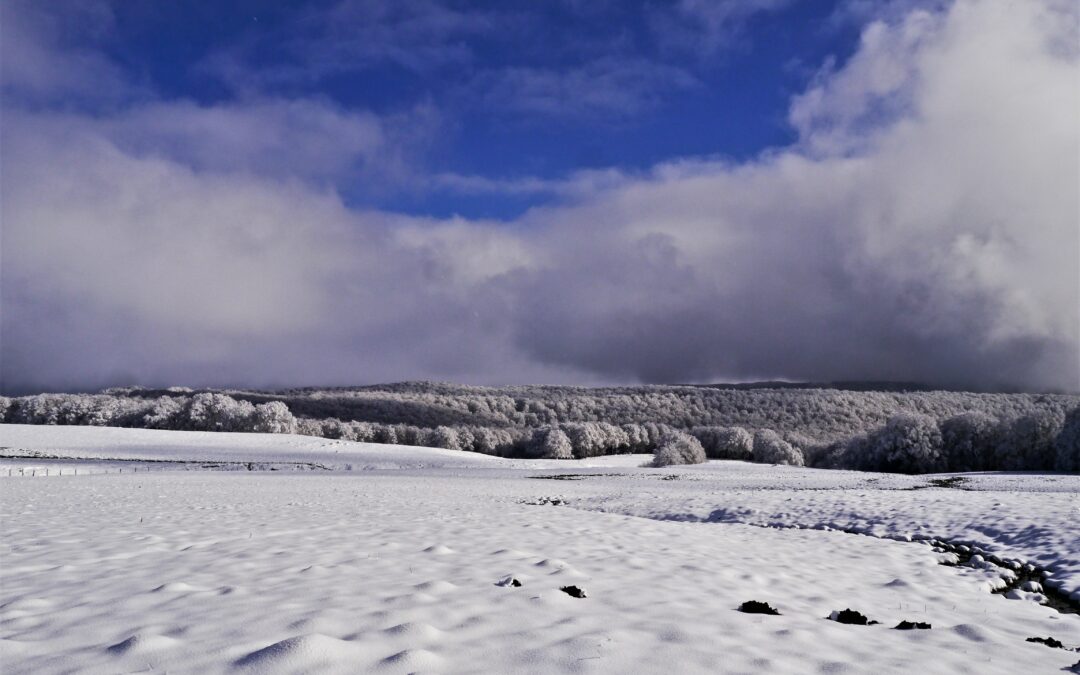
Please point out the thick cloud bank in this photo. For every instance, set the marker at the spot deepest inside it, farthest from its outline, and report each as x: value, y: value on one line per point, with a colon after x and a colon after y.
x: 924, y: 227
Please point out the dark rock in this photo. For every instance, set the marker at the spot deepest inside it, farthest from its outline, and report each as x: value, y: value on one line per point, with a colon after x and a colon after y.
x: 574, y: 591
x: 756, y: 607
x: 851, y: 617
x: 912, y: 625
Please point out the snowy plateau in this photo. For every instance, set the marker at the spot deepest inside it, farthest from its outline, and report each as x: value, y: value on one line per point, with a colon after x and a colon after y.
x: 127, y: 550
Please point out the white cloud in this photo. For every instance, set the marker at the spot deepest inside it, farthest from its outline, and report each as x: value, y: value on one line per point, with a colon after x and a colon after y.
x: 611, y: 87
x: 708, y: 26
x: 349, y: 36
x: 44, y: 58
x: 923, y: 227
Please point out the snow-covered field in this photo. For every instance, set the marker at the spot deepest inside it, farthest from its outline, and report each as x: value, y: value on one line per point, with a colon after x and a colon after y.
x: 356, y: 558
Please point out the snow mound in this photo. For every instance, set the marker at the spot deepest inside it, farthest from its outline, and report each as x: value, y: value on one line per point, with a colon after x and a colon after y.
x: 413, y: 660
x: 179, y: 587
x: 415, y: 630
x: 304, y: 653
x: 438, y: 549
x: 553, y: 564
x: 437, y: 587
x: 11, y: 649
x: 143, y: 643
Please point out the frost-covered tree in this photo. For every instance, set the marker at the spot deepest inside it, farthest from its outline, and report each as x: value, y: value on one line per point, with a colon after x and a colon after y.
x: 334, y: 428
x: 444, y: 437
x: 100, y: 411
x: 1028, y: 443
x: 725, y: 442
x: 273, y: 418
x: 489, y: 441
x: 969, y: 441
x: 40, y: 409
x: 829, y: 427
x: 770, y: 448
x: 465, y: 434
x: 5, y: 403
x: 637, y: 438
x: 551, y: 443
x: 805, y: 446
x: 908, y: 443
x: 384, y: 434
x: 408, y: 434
x: 217, y: 412
x: 678, y: 448
x: 839, y: 455
x: 1067, y: 444
x: 363, y: 432
x: 305, y: 426
x: 587, y: 438
x: 165, y: 413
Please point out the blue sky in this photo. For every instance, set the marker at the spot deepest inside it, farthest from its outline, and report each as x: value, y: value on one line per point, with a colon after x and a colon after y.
x: 513, y: 90
x: 358, y: 191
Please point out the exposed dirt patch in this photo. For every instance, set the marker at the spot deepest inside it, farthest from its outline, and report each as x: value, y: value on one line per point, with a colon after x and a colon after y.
x: 546, y: 501
x: 955, y: 482
x: 573, y: 476
x: 758, y: 607
x: 851, y: 617
x: 1048, y: 641
x: 912, y: 625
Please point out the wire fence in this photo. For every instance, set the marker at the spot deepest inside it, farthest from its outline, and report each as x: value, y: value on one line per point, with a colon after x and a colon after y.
x: 56, y: 471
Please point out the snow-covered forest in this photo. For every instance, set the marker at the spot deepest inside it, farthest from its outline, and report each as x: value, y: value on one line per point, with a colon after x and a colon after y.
x: 905, y: 432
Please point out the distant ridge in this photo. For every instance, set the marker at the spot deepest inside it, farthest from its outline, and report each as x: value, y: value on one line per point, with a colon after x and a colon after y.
x: 844, y: 385
x: 885, y: 386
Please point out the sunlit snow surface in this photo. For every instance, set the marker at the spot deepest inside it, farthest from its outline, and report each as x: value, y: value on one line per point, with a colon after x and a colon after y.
x: 393, y: 566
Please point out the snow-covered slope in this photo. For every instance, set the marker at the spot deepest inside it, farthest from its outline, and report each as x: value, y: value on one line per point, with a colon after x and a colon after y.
x: 156, y: 445
x: 398, y: 569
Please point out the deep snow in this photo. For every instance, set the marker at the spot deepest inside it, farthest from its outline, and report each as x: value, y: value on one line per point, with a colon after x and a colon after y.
x: 396, y: 565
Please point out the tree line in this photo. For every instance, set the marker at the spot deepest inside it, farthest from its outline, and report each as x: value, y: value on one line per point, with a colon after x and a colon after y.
x: 909, y: 432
